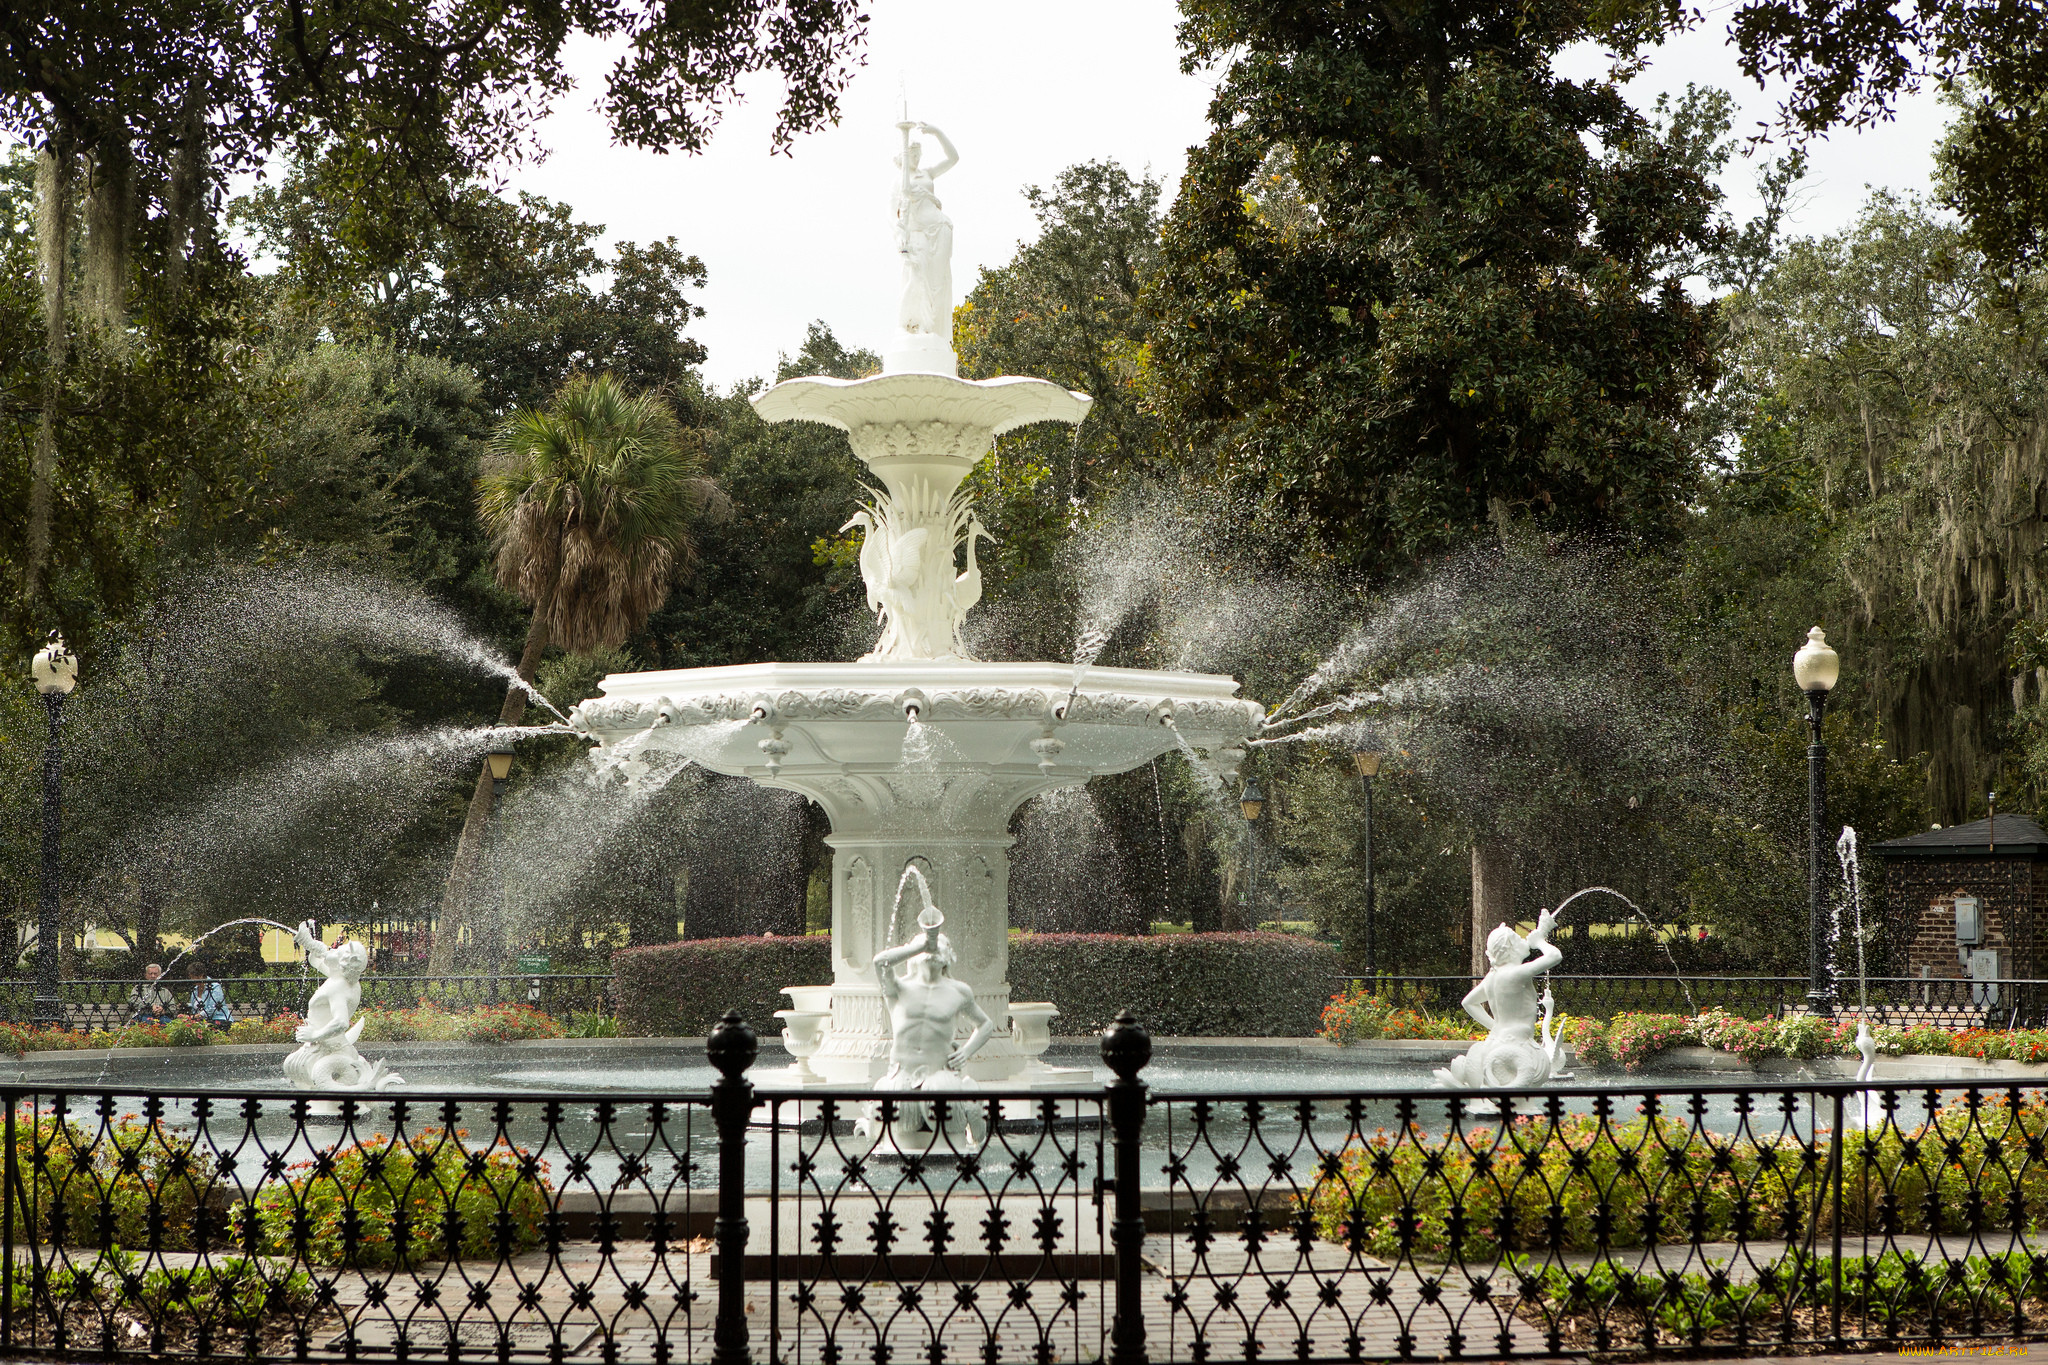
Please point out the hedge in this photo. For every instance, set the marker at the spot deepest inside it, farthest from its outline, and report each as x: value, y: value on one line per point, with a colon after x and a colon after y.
x: 1186, y: 985
x: 681, y: 989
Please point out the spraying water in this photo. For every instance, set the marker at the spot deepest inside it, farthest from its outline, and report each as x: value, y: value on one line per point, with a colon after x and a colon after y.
x: 1656, y: 937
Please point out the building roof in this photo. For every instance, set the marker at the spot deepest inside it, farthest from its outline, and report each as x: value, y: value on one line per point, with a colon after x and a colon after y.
x: 2018, y: 837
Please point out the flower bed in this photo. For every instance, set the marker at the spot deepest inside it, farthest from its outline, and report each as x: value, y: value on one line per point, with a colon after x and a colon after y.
x: 1632, y: 1041
x: 426, y: 1023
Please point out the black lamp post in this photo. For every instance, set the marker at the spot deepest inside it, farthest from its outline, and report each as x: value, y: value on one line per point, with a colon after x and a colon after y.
x: 1367, y: 761
x: 1816, y: 668
x: 499, y: 756
x: 55, y: 671
x: 1251, y: 801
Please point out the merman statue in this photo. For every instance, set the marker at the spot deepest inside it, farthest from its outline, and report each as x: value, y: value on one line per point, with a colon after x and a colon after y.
x: 925, y: 1006
x: 327, y: 1058
x: 1504, y: 1002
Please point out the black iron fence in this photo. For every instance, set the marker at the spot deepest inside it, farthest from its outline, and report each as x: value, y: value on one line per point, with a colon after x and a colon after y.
x: 1100, y: 1221
x: 1939, y: 1001
x: 91, y: 1003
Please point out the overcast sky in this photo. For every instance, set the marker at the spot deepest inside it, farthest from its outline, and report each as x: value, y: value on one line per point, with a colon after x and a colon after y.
x: 1023, y: 89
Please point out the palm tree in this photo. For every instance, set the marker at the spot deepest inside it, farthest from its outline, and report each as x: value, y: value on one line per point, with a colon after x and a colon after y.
x: 591, y: 503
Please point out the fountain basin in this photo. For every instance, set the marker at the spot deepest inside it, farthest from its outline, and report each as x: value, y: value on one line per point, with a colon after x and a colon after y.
x: 924, y: 762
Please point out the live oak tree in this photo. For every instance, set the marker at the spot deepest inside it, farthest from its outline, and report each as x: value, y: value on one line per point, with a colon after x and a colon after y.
x: 140, y: 111
x: 1415, y: 279
x: 506, y: 287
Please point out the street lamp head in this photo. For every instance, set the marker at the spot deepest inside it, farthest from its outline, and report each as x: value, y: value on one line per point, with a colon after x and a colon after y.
x: 500, y: 757
x: 1815, y: 666
x: 54, y: 668
x: 1252, y: 801
x: 1367, y: 761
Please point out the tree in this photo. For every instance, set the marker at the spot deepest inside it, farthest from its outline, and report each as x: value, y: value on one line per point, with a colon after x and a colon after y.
x: 1414, y: 280
x: 504, y: 287
x: 593, y: 505
x: 1848, y: 61
x: 1900, y: 429
x: 155, y: 105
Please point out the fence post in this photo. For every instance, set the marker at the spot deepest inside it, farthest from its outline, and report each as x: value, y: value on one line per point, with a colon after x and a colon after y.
x: 732, y: 1048
x: 1126, y: 1047
x: 1837, y: 1161
x: 7, y: 1178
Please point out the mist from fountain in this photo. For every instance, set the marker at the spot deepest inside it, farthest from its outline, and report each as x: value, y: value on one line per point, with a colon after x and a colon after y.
x: 1655, y: 935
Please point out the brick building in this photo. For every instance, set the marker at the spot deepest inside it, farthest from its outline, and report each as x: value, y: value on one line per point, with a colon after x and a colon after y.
x: 2001, y: 865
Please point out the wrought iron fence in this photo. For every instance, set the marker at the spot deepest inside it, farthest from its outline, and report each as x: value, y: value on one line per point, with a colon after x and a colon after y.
x: 1943, y: 1002
x: 91, y: 1003
x: 1097, y: 1221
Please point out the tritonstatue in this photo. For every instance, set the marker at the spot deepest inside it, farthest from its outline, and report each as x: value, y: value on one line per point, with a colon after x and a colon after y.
x: 1504, y: 1002
x: 926, y: 1007
x: 327, y: 1058
x: 924, y: 238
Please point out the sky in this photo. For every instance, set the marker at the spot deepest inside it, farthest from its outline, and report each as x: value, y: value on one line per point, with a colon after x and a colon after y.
x: 1024, y: 90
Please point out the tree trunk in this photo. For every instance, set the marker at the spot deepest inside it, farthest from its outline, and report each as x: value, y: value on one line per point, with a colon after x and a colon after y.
x: 1493, y: 896
x: 457, y: 898
x: 149, y: 914
x: 54, y: 176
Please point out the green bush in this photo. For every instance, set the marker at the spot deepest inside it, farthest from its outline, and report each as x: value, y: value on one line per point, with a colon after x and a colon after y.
x: 431, y: 1196
x: 1517, y: 1188
x: 88, y: 1186
x: 1179, y: 985
x: 1198, y: 985
x: 234, y: 1292
x: 681, y: 989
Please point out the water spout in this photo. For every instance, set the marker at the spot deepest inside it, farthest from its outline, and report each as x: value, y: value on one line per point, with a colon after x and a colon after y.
x: 1678, y: 976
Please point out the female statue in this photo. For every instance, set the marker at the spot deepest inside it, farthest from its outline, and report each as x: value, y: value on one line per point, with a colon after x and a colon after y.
x: 924, y: 238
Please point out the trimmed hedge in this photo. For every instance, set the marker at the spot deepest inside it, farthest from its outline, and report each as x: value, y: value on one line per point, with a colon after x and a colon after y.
x: 1184, y: 985
x: 671, y: 990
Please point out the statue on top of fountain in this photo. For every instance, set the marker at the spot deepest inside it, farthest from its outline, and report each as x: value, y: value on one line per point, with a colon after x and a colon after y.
x: 327, y: 1058
x: 1504, y: 1002
x: 924, y: 238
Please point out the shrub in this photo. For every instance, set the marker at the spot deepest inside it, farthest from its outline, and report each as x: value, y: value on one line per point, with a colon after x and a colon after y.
x: 428, y: 1023
x: 429, y: 1196
x: 1580, y: 1179
x: 681, y: 989
x: 1232, y: 985
x: 1255, y: 985
x: 94, y: 1187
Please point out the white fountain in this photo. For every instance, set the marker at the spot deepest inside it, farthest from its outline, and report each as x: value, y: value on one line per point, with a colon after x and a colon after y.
x: 919, y: 753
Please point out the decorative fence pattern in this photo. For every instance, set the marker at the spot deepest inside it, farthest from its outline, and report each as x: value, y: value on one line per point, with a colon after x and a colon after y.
x: 790, y: 1227
x: 90, y: 1003
x: 1942, y: 1002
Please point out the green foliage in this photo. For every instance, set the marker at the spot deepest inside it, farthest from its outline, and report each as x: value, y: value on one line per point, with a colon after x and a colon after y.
x: 429, y: 1023
x: 1414, y: 276
x: 237, y: 1292
x: 792, y: 486
x: 506, y: 289
x: 683, y: 988
x: 1581, y: 1182
x: 1195, y: 985
x: 398, y: 1202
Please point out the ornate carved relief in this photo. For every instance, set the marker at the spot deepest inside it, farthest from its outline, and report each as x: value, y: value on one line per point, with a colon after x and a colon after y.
x: 857, y: 933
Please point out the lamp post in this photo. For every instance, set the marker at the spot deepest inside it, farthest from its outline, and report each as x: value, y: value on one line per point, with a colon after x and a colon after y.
x: 55, y: 672
x: 499, y: 757
x: 1251, y: 801
x: 1816, y: 668
x: 1367, y: 761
